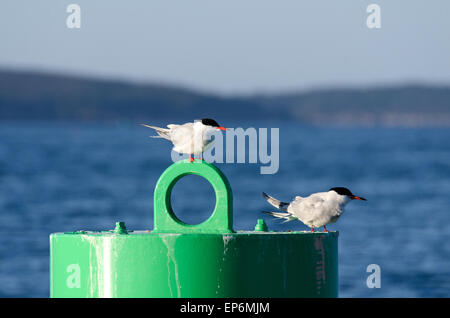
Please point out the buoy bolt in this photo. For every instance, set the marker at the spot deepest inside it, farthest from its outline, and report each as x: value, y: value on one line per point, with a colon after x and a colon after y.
x: 120, y: 228
x: 261, y: 226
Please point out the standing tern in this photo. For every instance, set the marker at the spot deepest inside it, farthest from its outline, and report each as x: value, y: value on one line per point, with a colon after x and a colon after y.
x: 189, y: 138
x: 316, y: 210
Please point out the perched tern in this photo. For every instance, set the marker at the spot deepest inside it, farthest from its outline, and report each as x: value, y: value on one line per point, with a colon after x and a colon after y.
x: 316, y: 210
x: 189, y: 138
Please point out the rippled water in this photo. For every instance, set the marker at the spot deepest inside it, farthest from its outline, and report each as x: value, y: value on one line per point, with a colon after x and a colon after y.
x: 66, y: 176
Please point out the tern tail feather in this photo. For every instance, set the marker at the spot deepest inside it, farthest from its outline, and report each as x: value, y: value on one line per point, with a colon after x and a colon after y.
x: 286, y: 216
x: 276, y: 203
x: 162, y: 132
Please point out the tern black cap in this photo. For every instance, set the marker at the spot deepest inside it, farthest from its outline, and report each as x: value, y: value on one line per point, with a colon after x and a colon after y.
x: 210, y: 122
x: 347, y: 192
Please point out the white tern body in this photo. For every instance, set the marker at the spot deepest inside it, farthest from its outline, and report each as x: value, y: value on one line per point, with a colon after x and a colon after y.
x: 189, y: 138
x: 316, y: 210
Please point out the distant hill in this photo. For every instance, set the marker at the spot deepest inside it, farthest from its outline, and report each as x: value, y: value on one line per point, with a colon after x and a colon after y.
x: 39, y: 96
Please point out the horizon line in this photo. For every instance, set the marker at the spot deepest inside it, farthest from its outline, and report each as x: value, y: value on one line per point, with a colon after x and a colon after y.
x: 211, y: 92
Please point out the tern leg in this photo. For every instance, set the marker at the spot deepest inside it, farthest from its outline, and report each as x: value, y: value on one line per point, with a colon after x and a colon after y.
x: 325, y: 229
x: 312, y: 229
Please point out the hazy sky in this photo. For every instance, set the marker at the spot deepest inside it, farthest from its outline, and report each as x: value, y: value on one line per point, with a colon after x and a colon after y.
x: 232, y: 46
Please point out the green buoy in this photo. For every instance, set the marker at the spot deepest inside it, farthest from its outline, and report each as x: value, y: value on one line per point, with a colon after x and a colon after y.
x: 209, y: 259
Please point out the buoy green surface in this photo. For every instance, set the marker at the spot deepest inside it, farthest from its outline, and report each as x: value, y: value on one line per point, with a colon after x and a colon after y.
x: 220, y: 221
x: 209, y: 259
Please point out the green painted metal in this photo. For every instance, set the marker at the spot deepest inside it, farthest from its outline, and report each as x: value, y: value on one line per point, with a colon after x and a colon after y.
x: 221, y: 220
x: 120, y: 228
x: 204, y: 260
x: 241, y: 264
x: 261, y: 226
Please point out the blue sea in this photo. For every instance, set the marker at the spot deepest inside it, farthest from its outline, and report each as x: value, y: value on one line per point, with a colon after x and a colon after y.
x: 58, y: 177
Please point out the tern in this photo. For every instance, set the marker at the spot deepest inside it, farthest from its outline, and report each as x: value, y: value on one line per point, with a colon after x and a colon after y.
x: 316, y: 210
x: 189, y: 138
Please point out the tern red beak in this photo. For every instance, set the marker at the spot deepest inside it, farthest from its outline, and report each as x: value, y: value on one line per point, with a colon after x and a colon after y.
x: 358, y: 198
x: 221, y: 128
